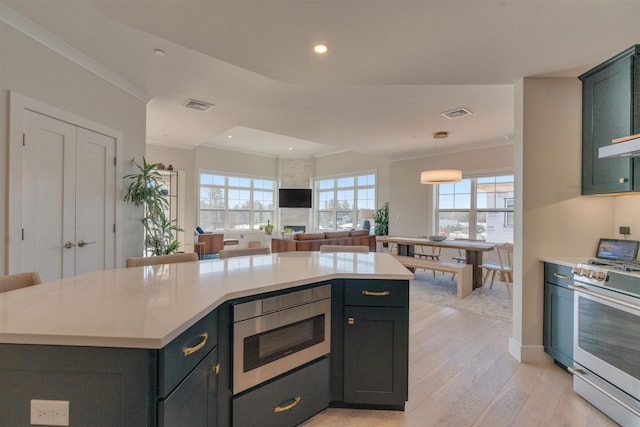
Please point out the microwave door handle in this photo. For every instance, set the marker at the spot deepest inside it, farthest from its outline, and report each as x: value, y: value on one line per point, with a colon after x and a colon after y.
x: 586, y: 291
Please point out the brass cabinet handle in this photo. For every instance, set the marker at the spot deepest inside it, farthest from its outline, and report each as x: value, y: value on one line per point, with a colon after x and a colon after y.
x: 190, y: 350
x: 216, y: 369
x: 376, y: 294
x: 284, y: 408
x: 561, y: 276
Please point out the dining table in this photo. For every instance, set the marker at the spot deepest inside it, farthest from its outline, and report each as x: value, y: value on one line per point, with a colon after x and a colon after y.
x: 473, y: 250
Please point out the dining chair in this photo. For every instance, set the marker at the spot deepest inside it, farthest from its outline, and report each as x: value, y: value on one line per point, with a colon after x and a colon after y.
x: 19, y: 280
x: 461, y: 255
x: 161, y: 259
x: 343, y: 248
x: 433, y: 253
x: 504, y: 266
x: 232, y: 253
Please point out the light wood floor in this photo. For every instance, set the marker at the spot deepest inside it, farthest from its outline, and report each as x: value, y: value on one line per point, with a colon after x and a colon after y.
x: 461, y: 374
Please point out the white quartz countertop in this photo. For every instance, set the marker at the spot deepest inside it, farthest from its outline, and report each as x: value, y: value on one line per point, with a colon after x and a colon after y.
x: 564, y: 260
x: 147, y: 307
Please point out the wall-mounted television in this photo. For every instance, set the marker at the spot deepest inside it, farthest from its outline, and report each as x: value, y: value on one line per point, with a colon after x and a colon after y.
x: 294, y: 198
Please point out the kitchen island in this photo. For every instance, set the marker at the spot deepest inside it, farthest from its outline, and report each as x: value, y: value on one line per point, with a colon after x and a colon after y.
x: 105, y: 341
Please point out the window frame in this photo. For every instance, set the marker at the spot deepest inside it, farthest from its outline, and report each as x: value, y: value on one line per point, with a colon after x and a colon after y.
x: 371, y: 202
x: 251, y: 188
x: 473, y: 210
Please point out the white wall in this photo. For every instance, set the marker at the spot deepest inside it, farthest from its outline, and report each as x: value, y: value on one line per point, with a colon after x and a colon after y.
x: 411, y: 203
x: 627, y: 212
x: 552, y: 218
x: 31, y: 69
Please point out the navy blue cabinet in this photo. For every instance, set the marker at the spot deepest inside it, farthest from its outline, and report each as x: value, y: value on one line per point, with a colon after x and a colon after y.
x: 194, y: 402
x: 287, y: 401
x: 558, y: 313
x: 610, y: 110
x: 376, y: 343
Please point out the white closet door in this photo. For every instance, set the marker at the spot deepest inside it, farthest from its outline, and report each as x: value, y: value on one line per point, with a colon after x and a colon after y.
x: 48, y: 202
x: 95, y: 202
x: 68, y: 196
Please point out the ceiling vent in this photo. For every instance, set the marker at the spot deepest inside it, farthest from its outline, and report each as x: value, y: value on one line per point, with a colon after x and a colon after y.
x: 198, y: 105
x: 457, y: 113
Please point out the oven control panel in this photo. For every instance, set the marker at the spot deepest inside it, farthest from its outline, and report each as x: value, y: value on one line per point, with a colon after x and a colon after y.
x: 589, y: 274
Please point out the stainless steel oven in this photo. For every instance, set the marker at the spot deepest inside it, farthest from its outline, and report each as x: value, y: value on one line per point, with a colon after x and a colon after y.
x: 606, y: 346
x: 274, y: 335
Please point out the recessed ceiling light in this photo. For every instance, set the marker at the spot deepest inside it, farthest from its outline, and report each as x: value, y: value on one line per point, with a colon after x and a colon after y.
x: 229, y: 136
x: 290, y: 148
x: 320, y: 48
x: 440, y: 135
x: 159, y: 52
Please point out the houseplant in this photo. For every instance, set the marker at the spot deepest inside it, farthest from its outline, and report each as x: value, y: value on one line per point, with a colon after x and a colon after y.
x: 267, y: 228
x: 145, y: 188
x: 381, y: 220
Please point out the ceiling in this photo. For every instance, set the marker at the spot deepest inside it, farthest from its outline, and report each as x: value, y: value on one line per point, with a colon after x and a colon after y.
x: 392, y: 66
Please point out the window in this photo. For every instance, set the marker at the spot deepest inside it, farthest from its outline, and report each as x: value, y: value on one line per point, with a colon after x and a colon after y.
x: 339, y: 200
x: 235, y: 202
x: 477, y: 208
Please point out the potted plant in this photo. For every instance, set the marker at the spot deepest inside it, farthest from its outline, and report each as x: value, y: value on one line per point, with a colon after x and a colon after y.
x: 381, y: 220
x: 267, y: 228
x: 145, y: 188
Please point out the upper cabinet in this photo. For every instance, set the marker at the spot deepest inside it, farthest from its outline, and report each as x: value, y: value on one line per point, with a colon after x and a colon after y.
x: 610, y: 110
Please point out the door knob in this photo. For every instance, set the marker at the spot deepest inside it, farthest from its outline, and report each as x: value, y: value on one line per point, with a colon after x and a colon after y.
x: 68, y: 245
x: 82, y: 243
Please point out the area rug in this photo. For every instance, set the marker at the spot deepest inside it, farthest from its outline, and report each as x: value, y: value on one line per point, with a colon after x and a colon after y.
x: 441, y: 290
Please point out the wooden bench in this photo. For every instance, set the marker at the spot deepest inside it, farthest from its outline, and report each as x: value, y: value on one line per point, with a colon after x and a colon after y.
x: 464, y: 271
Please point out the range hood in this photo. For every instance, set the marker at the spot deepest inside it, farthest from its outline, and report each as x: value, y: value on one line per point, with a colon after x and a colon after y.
x: 628, y: 146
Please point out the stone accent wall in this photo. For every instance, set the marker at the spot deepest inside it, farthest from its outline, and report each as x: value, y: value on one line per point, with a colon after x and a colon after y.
x: 295, y: 173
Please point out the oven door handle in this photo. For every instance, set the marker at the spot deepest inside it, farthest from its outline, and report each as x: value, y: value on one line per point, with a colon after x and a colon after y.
x: 586, y: 291
x: 580, y: 374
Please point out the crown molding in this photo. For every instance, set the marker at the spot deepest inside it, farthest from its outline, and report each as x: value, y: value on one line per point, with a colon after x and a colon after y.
x: 24, y: 25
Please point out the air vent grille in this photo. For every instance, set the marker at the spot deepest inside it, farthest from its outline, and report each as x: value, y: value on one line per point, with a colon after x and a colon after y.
x: 198, y: 105
x: 457, y: 113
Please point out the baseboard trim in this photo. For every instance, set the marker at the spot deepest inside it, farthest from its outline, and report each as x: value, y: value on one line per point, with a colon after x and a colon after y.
x: 528, y: 353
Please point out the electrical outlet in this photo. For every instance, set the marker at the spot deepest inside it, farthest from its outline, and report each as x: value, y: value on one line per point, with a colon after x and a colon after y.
x: 49, y: 412
x: 624, y: 230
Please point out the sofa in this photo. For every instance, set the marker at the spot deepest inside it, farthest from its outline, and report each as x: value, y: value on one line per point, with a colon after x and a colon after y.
x: 313, y: 241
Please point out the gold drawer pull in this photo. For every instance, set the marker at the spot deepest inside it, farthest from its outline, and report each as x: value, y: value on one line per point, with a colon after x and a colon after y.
x: 376, y: 294
x: 561, y: 276
x: 295, y: 401
x: 216, y: 369
x: 190, y: 350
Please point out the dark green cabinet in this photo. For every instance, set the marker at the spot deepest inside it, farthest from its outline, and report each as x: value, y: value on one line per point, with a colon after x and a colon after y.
x: 119, y: 387
x: 558, y: 313
x: 194, y: 402
x: 610, y: 110
x: 287, y: 401
x: 376, y: 343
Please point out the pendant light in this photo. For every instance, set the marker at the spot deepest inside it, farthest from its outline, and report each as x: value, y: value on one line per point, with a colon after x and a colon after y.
x: 440, y: 176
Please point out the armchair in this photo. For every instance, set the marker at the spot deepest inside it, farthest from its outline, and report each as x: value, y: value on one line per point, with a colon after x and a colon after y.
x: 213, y: 242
